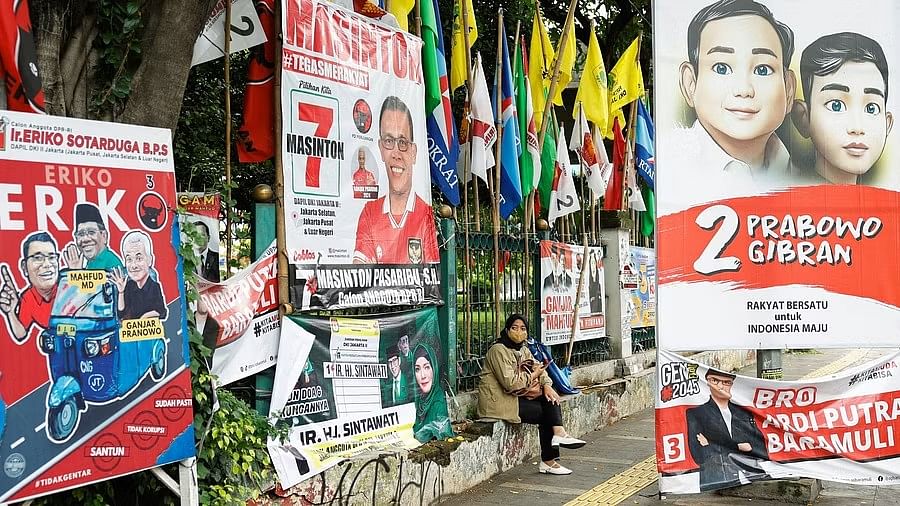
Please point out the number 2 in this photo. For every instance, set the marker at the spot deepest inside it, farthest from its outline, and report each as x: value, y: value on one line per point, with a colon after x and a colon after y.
x: 709, y: 262
x: 323, y: 118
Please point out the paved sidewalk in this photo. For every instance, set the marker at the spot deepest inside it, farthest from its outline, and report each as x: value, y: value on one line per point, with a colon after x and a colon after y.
x: 618, y: 463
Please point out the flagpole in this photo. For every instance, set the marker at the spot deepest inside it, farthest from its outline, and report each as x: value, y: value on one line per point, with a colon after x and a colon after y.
x: 629, y: 161
x: 419, y: 18
x: 228, y: 138
x: 468, y: 175
x: 498, y: 116
x: 284, y: 298
x: 575, y: 321
x: 554, y: 81
x: 526, y: 221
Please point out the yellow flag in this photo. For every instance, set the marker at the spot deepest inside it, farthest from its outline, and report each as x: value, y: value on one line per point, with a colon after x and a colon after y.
x: 592, y: 90
x: 540, y: 57
x: 458, y: 47
x: 401, y: 9
x: 626, y: 84
x: 566, y: 64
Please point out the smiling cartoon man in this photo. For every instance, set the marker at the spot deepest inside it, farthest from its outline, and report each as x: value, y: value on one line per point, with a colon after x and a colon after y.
x: 91, y: 248
x: 738, y: 82
x: 398, y: 227
x: 40, y: 265
x: 845, y: 86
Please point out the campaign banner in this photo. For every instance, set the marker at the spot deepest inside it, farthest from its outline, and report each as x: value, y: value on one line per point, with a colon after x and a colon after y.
x: 352, y: 387
x: 202, y: 210
x: 94, y: 371
x: 643, y: 298
x: 561, y: 266
x: 778, y: 199
x: 238, y: 318
x: 717, y: 430
x: 246, y: 31
x: 360, y: 227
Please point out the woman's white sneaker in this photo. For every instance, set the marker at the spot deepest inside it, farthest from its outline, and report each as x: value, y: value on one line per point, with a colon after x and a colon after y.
x: 554, y: 469
x: 567, y: 442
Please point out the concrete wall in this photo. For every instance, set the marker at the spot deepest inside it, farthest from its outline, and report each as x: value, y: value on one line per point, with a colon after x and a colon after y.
x: 610, y: 391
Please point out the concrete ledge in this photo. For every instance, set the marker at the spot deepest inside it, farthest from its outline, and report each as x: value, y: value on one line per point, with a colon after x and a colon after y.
x: 483, y: 449
x: 799, y: 491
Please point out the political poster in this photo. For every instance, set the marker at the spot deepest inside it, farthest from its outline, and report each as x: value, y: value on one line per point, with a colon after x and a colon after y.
x: 246, y: 31
x: 94, y: 372
x: 717, y: 430
x: 778, y: 201
x: 561, y: 266
x: 202, y: 211
x: 360, y: 227
x: 643, y: 298
x: 239, y: 319
x: 348, y: 387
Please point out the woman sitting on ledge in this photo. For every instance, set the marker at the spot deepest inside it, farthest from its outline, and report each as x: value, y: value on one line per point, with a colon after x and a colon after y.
x: 515, y: 388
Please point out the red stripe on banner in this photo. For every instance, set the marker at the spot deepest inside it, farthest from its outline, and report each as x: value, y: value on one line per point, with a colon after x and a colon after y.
x: 839, y: 238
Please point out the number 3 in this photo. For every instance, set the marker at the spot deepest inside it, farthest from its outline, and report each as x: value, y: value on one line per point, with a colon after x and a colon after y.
x: 709, y: 262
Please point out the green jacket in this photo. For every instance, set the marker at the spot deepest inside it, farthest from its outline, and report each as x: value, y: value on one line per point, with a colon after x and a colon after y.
x: 105, y: 260
x: 391, y: 398
x: 432, y: 416
x: 502, y: 374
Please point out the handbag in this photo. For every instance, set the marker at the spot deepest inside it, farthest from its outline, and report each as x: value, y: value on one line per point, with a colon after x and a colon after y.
x: 533, y: 390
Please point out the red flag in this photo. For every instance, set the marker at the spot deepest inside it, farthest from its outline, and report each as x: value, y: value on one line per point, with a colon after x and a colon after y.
x: 18, y: 59
x: 613, y: 199
x: 256, y: 137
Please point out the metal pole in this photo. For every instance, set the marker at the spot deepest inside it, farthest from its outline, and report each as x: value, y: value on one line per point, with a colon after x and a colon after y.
x: 495, y: 194
x: 284, y: 298
x: 228, y: 138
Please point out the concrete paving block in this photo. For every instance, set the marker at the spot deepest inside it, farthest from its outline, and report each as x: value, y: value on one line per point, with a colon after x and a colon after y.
x: 799, y: 491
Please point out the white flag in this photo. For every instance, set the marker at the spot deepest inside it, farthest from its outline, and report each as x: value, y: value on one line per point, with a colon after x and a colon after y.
x: 563, y: 198
x: 531, y: 137
x: 482, y: 133
x: 606, y: 167
x: 583, y: 143
x: 635, y: 199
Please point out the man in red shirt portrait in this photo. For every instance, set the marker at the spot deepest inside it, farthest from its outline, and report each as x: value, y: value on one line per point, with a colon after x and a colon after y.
x: 397, y: 228
x: 40, y: 265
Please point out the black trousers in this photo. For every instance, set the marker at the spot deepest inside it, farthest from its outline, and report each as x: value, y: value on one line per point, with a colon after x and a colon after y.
x: 545, y: 415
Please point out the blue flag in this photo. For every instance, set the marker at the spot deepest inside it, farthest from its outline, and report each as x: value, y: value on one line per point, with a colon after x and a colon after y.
x: 511, y: 149
x: 443, y: 142
x: 644, y: 159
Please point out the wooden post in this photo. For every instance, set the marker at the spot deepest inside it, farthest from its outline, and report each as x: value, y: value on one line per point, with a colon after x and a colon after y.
x: 464, y: 15
x: 228, y: 139
x: 495, y: 194
x: 554, y: 81
x: 284, y: 299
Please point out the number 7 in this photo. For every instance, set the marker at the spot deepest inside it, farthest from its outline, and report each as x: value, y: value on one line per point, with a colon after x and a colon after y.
x: 323, y: 118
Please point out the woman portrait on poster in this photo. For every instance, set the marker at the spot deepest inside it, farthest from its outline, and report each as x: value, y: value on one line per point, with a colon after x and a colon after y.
x: 517, y: 389
x: 432, y: 416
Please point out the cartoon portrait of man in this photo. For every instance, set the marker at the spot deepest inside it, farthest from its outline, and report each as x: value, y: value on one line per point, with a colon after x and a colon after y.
x: 723, y: 437
x: 738, y: 83
x: 140, y: 295
x: 388, y: 224
x: 844, y: 77
x: 91, y: 248
x: 40, y: 267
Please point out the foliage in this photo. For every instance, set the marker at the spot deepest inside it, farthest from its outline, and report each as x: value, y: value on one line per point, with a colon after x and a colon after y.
x: 120, y: 27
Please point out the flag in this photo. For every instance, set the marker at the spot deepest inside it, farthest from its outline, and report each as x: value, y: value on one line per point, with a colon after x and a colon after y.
x: 548, y: 165
x: 613, y: 199
x: 540, y: 57
x: 510, y: 184
x: 563, y: 198
x: 566, y: 63
x: 482, y: 133
x: 583, y: 143
x: 644, y: 160
x: 443, y: 143
x: 401, y: 9
x: 648, y: 218
x: 626, y: 81
x: 527, y: 129
x: 635, y: 200
x: 606, y: 168
x: 592, y: 96
x: 256, y: 136
x: 18, y: 59
x: 458, y: 47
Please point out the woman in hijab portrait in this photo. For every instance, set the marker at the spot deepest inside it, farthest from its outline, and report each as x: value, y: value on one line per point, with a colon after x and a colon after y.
x: 432, y: 416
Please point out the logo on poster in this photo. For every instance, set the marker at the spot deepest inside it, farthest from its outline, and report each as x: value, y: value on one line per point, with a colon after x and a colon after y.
x: 678, y: 380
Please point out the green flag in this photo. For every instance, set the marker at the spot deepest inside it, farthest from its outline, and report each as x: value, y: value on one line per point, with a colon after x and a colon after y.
x: 526, y: 125
x: 548, y: 165
x: 648, y: 217
x: 430, y: 55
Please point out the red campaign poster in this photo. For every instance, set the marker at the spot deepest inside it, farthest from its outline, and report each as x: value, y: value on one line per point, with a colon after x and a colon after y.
x: 94, y: 373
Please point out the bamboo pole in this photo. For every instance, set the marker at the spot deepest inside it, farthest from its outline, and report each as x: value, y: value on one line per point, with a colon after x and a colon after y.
x: 284, y: 299
x: 554, y: 80
x: 228, y: 139
x: 575, y: 322
x: 629, y: 151
x: 529, y: 202
x: 464, y: 15
x: 495, y: 194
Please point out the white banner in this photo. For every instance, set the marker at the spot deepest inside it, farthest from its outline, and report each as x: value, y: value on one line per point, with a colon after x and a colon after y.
x: 561, y: 266
x: 246, y: 31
